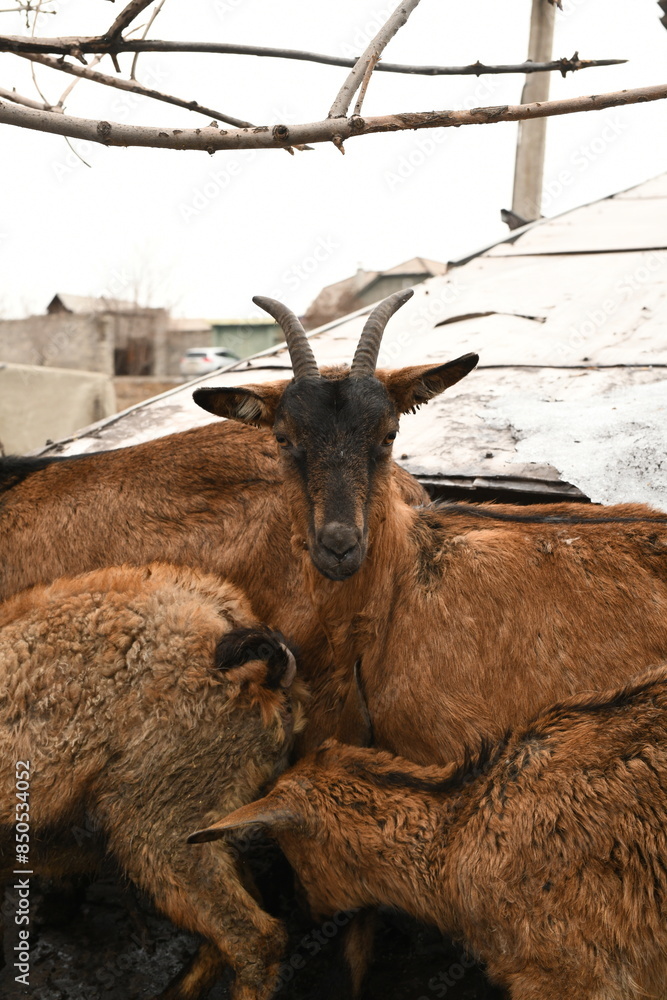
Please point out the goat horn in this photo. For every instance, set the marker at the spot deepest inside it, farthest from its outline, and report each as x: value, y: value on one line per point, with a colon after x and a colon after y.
x: 300, y: 351
x: 368, y: 348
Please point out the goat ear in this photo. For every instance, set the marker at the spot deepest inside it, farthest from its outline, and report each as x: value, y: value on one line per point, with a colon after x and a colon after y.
x: 271, y: 812
x: 250, y: 404
x: 410, y: 387
x: 244, y: 645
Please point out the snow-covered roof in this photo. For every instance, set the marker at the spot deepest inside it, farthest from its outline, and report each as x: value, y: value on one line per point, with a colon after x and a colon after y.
x: 569, y: 317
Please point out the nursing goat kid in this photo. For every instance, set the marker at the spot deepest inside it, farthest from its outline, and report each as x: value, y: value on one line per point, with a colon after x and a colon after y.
x: 466, y: 619
x: 547, y: 856
x: 130, y: 696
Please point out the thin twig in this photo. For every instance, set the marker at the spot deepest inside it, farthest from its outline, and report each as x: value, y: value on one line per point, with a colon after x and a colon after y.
x: 87, y: 73
x: 280, y: 136
x: 155, y: 13
x: 364, y: 84
x: 28, y: 102
x: 68, y: 90
x: 77, y: 45
x: 76, y: 151
x: 370, y: 57
x: 38, y: 9
x: 26, y: 7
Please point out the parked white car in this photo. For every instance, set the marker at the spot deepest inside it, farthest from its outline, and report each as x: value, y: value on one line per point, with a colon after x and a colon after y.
x: 202, y: 360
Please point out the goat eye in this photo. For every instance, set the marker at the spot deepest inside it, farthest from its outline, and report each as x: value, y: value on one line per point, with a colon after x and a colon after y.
x: 390, y: 438
x: 282, y: 440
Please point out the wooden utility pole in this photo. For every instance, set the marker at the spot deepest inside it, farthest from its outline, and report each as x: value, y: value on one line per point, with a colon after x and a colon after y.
x: 529, y: 167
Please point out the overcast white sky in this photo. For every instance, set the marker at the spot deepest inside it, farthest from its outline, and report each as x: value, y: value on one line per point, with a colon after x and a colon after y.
x: 207, y: 233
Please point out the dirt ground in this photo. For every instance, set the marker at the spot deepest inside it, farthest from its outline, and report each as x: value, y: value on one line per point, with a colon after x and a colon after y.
x: 102, y: 943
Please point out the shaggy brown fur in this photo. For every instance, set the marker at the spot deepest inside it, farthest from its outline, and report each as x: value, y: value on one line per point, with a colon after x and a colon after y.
x: 111, y: 689
x: 210, y: 498
x: 547, y: 857
x: 466, y: 620
x: 467, y: 626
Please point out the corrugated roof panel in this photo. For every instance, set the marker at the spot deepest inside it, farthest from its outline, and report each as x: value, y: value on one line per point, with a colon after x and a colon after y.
x: 656, y: 187
x: 593, y: 309
x: 610, y: 225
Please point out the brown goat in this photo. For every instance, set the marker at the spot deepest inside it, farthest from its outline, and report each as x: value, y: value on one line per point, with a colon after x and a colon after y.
x: 466, y: 619
x: 131, y: 696
x: 546, y: 856
x: 210, y: 498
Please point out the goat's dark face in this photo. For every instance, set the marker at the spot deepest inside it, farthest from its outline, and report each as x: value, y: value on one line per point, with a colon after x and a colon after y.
x: 335, y: 430
x: 336, y: 435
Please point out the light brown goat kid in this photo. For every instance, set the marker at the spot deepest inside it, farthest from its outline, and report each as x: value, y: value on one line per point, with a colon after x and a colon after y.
x: 132, y: 696
x: 547, y: 856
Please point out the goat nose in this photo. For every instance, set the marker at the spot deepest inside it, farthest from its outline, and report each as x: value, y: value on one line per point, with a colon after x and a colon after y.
x: 339, y: 538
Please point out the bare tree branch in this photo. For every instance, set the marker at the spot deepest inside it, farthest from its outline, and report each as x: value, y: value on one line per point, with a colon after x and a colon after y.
x: 68, y: 90
x: 125, y: 18
x: 123, y: 21
x: 155, y: 13
x: 369, y: 58
x: 98, y: 58
x: 38, y: 10
x: 280, y: 136
x: 120, y: 83
x: 27, y: 7
x: 372, y: 63
x: 77, y: 45
x: 11, y: 95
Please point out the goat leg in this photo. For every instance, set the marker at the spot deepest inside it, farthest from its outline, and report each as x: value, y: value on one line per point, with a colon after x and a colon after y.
x: 197, y: 978
x: 353, y: 958
x: 201, y: 890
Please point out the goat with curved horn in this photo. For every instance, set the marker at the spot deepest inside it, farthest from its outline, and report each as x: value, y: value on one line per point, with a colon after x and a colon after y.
x: 368, y: 348
x: 300, y: 351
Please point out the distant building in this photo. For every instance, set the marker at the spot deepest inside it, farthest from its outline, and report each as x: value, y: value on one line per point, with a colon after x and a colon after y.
x: 112, y: 336
x: 244, y: 337
x: 65, y: 303
x: 366, y: 287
